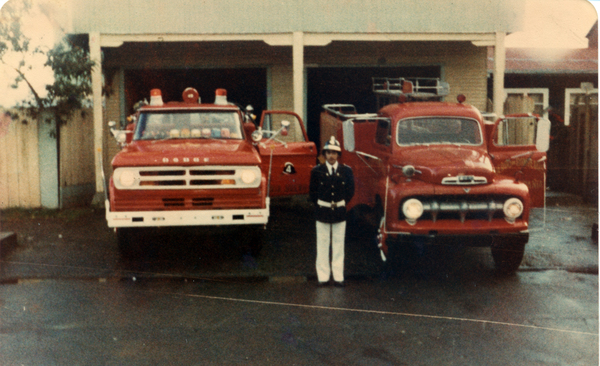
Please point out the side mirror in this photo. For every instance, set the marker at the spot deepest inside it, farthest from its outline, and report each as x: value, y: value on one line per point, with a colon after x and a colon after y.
x: 348, y: 132
x: 122, y: 137
x: 257, y: 136
x: 285, y: 125
x: 542, y: 138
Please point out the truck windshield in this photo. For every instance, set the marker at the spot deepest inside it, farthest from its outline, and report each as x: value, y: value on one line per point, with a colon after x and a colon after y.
x: 188, y: 125
x: 438, y: 130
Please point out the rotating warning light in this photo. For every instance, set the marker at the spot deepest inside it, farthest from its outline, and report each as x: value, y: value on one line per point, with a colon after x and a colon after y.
x: 190, y: 95
x: 156, y: 97
x: 221, y: 97
x: 461, y: 98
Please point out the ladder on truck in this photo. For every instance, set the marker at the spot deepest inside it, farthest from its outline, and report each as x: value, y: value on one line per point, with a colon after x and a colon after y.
x: 345, y: 114
x: 346, y: 111
x: 395, y: 90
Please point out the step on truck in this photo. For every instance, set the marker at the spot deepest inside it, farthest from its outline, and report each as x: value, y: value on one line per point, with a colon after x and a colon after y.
x: 189, y: 163
x: 434, y: 172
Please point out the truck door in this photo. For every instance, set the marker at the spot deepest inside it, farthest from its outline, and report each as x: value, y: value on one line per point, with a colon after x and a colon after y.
x: 287, y: 155
x: 373, y: 146
x: 514, y: 152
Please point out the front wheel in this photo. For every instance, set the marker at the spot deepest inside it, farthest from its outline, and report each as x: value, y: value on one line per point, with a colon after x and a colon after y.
x: 254, y: 239
x: 508, y: 256
x: 129, y: 242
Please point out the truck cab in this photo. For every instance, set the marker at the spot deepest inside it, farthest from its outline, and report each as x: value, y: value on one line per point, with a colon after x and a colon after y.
x: 189, y: 163
x: 436, y: 172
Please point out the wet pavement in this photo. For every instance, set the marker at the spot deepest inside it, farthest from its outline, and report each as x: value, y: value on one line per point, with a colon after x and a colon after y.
x: 80, y: 245
x: 195, y: 298
x: 533, y: 318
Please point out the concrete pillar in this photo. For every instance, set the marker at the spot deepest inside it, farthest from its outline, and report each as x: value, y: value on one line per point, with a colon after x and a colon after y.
x: 298, y: 65
x: 96, y: 56
x: 499, y: 67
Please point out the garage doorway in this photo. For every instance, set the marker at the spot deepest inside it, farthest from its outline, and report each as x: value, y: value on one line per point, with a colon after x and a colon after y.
x: 244, y: 85
x: 350, y: 85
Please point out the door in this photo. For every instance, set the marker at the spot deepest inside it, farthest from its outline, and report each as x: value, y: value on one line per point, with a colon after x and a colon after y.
x: 373, y: 147
x: 287, y: 155
x: 513, y: 150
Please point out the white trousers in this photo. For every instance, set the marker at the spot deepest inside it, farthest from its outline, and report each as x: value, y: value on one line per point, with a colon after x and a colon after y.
x: 333, y: 234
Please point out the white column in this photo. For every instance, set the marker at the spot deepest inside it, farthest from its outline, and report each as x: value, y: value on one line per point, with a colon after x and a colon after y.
x: 298, y: 64
x: 96, y: 56
x: 499, y: 67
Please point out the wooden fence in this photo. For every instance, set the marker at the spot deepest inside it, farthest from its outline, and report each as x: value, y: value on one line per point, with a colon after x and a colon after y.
x: 19, y: 161
x: 30, y: 158
x: 583, y: 152
x: 77, y: 150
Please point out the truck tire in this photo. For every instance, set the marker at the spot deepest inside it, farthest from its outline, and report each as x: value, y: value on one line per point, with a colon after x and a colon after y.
x: 254, y: 239
x: 129, y: 243
x: 508, y: 256
x: 362, y: 222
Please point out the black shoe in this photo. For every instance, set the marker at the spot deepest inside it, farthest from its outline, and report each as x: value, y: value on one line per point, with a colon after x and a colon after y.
x: 339, y: 284
x: 322, y: 284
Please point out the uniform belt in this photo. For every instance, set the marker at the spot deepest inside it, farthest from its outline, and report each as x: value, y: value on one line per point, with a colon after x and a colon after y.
x: 341, y: 203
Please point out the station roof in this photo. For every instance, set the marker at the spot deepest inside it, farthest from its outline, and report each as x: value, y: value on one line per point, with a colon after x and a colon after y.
x: 284, y: 16
x: 552, y: 61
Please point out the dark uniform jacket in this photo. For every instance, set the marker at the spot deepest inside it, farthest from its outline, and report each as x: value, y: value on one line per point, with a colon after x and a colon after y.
x: 328, y: 188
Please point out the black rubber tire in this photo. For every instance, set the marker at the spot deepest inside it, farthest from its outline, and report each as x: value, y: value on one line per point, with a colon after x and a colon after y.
x: 129, y: 243
x: 362, y: 222
x: 508, y: 256
x: 254, y: 240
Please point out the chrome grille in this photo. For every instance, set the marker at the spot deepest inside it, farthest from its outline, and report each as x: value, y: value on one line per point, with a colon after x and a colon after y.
x: 464, y: 180
x: 204, y: 177
x: 460, y: 208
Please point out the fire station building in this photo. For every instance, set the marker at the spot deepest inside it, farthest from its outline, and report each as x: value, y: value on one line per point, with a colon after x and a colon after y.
x: 290, y: 55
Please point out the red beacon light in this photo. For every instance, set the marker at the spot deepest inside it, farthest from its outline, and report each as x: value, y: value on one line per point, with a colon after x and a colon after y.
x: 156, y: 97
x: 461, y: 98
x: 221, y: 97
x: 190, y: 95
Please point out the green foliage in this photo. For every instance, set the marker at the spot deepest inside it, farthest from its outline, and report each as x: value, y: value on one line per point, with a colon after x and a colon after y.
x: 72, y: 79
x: 70, y: 63
x: 11, y: 36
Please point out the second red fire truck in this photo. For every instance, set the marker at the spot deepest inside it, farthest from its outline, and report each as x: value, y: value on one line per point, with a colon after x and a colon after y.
x: 437, y: 173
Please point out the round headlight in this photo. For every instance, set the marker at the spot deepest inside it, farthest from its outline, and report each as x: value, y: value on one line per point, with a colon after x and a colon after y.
x: 513, y: 208
x: 412, y: 210
x: 127, y: 178
x: 248, y: 176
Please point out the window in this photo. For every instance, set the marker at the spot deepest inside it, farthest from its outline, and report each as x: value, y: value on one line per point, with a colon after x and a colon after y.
x: 383, y: 134
x: 438, y: 131
x: 575, y: 101
x: 188, y: 124
x: 272, y: 123
x: 519, y: 131
x: 517, y: 101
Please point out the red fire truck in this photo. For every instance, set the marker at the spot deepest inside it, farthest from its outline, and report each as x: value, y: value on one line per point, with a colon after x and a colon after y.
x: 189, y: 163
x: 435, y: 172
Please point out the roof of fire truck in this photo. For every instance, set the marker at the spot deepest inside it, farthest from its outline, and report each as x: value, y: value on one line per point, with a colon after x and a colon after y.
x: 191, y: 100
x: 421, y: 109
x: 417, y: 97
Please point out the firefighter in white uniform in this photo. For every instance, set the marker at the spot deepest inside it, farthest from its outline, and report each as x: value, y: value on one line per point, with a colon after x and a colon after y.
x: 331, y: 189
